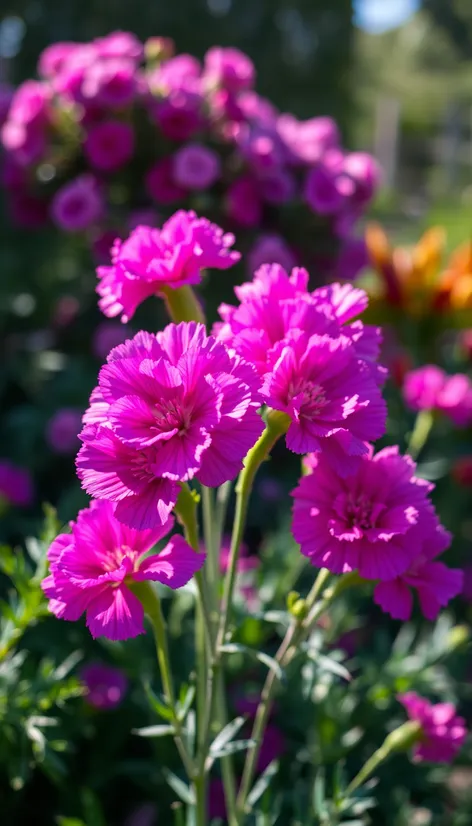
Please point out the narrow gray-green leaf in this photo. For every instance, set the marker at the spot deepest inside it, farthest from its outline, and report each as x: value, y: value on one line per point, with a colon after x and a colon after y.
x: 226, y: 735
x: 153, y: 731
x: 262, y: 784
x: 232, y: 748
x: 269, y: 662
x: 182, y: 790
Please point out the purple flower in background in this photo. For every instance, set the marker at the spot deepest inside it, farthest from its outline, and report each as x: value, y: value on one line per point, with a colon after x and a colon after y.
x: 323, y: 192
x: 430, y: 388
x: 120, y: 44
x: 53, y: 58
x: 196, y: 167
x: 108, y: 335
x: 270, y: 249
x: 442, y: 731
x: 278, y: 187
x: 16, y: 485
x: 110, y: 83
x: 77, y: 205
x: 364, y: 170
x: 243, y: 203
x: 179, y: 115
x: 62, y: 430
x: 308, y: 140
x: 144, y: 815
x: 160, y: 184
x: 229, y: 68
x: 352, y: 259
x: 109, y: 145
x: 106, y: 686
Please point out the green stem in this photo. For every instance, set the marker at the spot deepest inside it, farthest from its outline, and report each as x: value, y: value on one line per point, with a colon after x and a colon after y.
x: 421, y: 430
x: 183, y: 305
x: 222, y: 498
x: 298, y: 631
x: 212, y: 566
x: 152, y: 607
x: 399, y: 740
x: 277, y: 425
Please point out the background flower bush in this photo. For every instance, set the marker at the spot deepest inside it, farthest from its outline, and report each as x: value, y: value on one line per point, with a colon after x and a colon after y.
x: 86, y: 726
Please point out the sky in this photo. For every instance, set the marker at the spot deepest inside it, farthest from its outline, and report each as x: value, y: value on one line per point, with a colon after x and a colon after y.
x: 378, y: 16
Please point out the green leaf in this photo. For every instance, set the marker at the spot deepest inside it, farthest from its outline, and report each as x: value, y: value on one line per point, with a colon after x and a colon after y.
x: 69, y: 821
x: 92, y: 808
x: 226, y: 735
x: 319, y: 796
x: 67, y: 665
x: 265, y: 659
x: 262, y: 783
x: 153, y: 731
x: 330, y: 665
x: 182, y: 790
x: 187, y: 694
x: 232, y: 748
x: 159, y: 706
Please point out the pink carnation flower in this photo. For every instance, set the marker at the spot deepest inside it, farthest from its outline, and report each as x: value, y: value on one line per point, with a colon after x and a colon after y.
x: 109, y: 145
x: 316, y: 368
x: 442, y: 731
x: 168, y: 408
x: 379, y: 521
x: 168, y: 257
x: 16, y: 485
x: 106, y: 686
x: 364, y: 171
x: 77, y: 205
x: 430, y: 388
x: 196, y: 167
x: 53, y: 58
x: 434, y: 582
x: 229, y: 68
x: 92, y: 567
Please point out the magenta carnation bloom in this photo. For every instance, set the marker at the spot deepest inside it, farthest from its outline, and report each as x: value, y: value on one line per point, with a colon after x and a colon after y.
x: 442, y: 731
x: 16, y: 485
x: 196, y: 167
x: 62, y: 430
x: 179, y: 115
x: 160, y: 184
x: 430, y: 388
x: 106, y: 686
x: 77, y: 205
x: 168, y: 408
x: 229, y: 68
x: 92, y: 567
x: 151, y: 259
x: 433, y: 581
x: 53, y: 58
x: 379, y: 521
x: 317, y: 365
x: 109, y: 145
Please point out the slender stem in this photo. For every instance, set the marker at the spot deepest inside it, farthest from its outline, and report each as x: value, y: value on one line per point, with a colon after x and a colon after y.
x: 212, y: 566
x: 298, y: 631
x: 400, y: 739
x: 152, y: 607
x: 277, y: 425
x: 183, y: 305
x: 222, y: 498
x: 421, y: 430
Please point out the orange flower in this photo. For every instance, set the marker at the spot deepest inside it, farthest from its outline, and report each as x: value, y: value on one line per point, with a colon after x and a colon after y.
x: 411, y: 279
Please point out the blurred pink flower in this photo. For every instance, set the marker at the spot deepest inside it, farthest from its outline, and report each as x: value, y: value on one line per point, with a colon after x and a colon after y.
x: 229, y: 68
x: 270, y: 249
x: 160, y: 184
x: 442, y: 731
x: 106, y: 686
x: 62, y: 430
x: 430, y: 388
x: 243, y: 203
x: 108, y: 335
x: 109, y: 145
x: 16, y: 485
x: 77, y: 205
x: 196, y: 167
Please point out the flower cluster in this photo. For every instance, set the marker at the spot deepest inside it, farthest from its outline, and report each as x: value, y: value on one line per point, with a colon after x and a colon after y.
x: 103, y: 106
x: 168, y: 408
x: 442, y: 731
x: 381, y: 523
x: 317, y: 361
x: 93, y: 569
x: 430, y: 388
